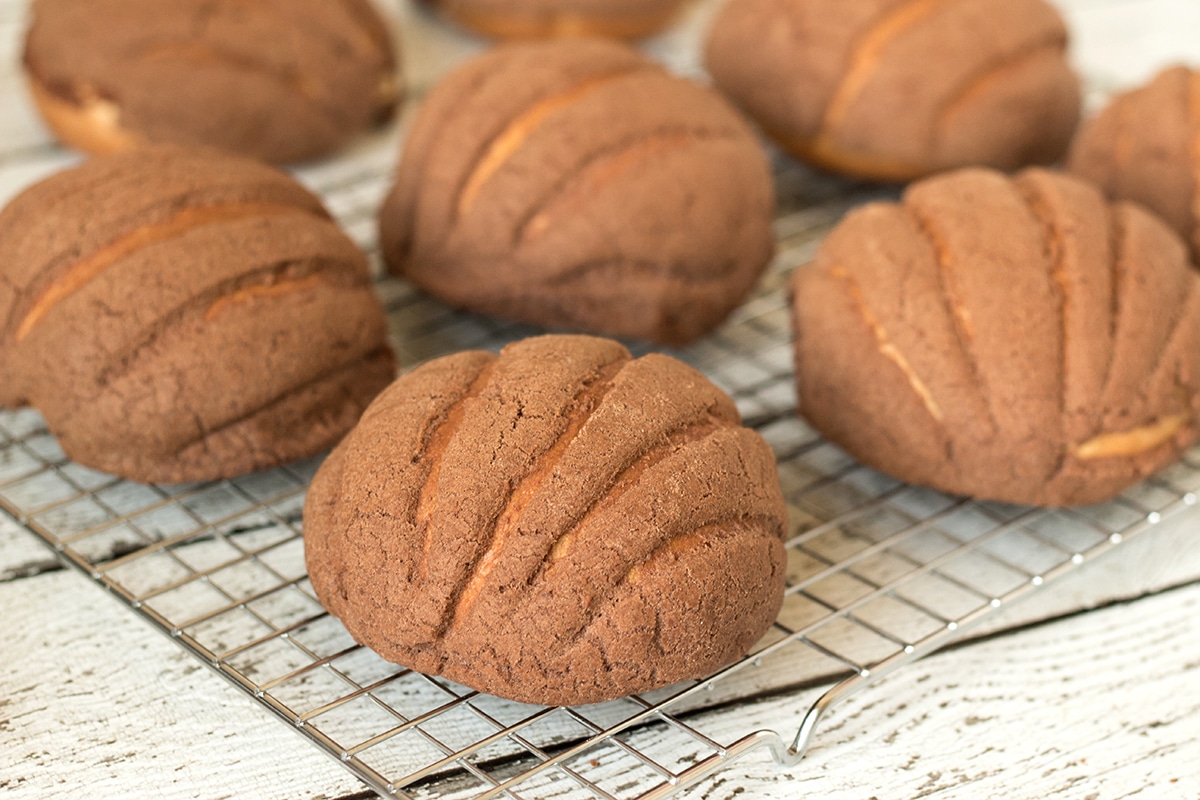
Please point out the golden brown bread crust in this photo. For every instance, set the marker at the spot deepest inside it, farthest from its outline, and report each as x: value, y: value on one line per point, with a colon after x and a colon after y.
x: 559, y: 524
x: 1145, y: 147
x: 92, y: 126
x: 545, y: 19
x: 278, y: 80
x: 1018, y: 340
x: 578, y: 185
x: 180, y: 314
x: 898, y: 89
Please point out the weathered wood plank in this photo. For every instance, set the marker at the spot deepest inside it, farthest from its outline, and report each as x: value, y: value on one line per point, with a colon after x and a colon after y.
x: 93, y: 702
x: 1102, y: 705
x: 1103, y: 702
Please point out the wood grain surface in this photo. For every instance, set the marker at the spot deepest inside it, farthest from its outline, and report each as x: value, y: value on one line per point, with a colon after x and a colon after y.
x: 1104, y: 704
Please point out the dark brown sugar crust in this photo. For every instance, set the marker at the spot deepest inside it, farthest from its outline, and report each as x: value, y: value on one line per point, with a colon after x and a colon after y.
x: 559, y: 524
x: 897, y: 89
x: 542, y: 19
x: 180, y: 314
x: 278, y: 80
x: 1145, y: 147
x: 1011, y: 339
x: 578, y: 185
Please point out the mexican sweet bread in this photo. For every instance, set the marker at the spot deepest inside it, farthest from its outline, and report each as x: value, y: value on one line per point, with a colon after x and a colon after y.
x: 538, y: 19
x: 181, y: 314
x: 278, y: 80
x: 559, y: 524
x: 575, y: 184
x: 1012, y: 339
x: 1145, y: 147
x: 898, y: 89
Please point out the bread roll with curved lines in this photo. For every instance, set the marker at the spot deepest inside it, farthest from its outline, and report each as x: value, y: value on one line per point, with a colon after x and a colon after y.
x: 559, y: 524
x: 180, y: 314
x: 898, y: 89
x: 577, y: 185
x: 277, y: 80
x: 1144, y: 146
x: 1011, y: 339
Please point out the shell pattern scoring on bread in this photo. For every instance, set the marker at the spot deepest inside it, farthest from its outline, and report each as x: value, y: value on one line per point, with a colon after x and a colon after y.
x: 182, y: 314
x: 544, y: 19
x: 898, y: 89
x: 578, y: 185
x: 277, y: 80
x: 1145, y: 147
x: 559, y: 524
x: 1011, y: 339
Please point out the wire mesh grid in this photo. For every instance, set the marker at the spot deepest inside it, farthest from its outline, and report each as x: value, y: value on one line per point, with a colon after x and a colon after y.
x: 879, y: 573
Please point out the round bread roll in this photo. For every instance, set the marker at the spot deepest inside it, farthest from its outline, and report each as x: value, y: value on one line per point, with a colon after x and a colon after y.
x: 543, y: 19
x: 180, y: 314
x: 577, y: 185
x: 1145, y: 147
x: 897, y: 89
x: 277, y: 80
x: 1010, y: 339
x: 558, y: 524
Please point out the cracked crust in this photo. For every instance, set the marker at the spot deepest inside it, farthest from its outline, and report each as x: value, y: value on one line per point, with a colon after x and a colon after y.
x: 180, y: 314
x: 551, y: 524
x: 1144, y: 146
x: 278, y: 81
x: 546, y: 19
x: 1056, y: 333
x: 898, y: 89
x: 89, y: 266
x: 523, y: 194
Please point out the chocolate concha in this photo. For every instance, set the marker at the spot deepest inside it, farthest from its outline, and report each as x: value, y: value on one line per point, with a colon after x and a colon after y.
x: 1014, y: 339
x: 180, y: 314
x: 559, y: 524
x: 577, y: 185
x: 1144, y: 146
x: 898, y: 89
x: 544, y: 19
x: 277, y: 80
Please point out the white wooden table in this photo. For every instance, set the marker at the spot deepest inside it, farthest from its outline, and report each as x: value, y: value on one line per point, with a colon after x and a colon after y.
x: 1099, y: 705
x: 1103, y: 704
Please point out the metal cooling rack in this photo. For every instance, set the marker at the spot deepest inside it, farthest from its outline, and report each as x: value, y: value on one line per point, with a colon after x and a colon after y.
x: 879, y: 573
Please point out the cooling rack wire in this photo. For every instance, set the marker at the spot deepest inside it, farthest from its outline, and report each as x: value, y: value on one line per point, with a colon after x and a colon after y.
x: 879, y: 573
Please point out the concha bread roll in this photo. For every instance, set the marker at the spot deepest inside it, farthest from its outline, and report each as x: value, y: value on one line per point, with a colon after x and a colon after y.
x: 559, y: 524
x: 898, y: 89
x: 577, y: 185
x: 1145, y: 147
x: 1013, y: 339
x: 276, y: 80
x: 181, y: 314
